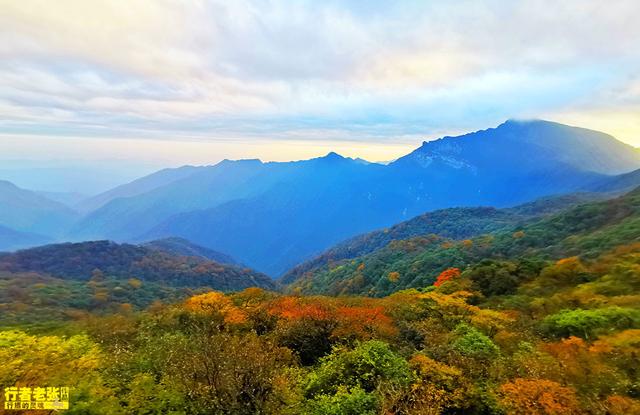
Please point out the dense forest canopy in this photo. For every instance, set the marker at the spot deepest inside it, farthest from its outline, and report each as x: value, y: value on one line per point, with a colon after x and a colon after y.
x: 539, y: 319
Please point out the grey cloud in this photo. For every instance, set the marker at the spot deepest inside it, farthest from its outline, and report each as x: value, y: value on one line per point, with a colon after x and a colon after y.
x: 264, y: 68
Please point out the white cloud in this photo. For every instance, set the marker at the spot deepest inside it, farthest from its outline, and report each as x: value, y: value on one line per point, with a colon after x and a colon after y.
x: 266, y: 69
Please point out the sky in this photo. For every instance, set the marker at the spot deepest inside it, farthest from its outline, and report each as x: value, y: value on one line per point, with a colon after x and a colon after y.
x: 171, y: 82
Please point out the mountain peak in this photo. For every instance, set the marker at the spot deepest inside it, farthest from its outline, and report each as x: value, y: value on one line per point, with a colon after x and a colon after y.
x: 529, y: 145
x: 511, y: 121
x: 333, y: 156
x: 361, y: 160
x: 530, y: 122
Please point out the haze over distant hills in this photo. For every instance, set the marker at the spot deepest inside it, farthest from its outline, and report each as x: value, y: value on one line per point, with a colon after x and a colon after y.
x: 136, y: 187
x: 273, y: 215
x: 87, y: 177
x: 26, y: 211
x: 10, y: 239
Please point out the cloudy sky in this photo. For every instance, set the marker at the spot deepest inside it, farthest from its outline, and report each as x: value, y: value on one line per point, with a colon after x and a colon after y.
x: 175, y: 82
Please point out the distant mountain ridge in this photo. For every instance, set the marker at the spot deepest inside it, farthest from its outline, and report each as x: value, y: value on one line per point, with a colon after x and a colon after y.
x: 69, y: 199
x: 136, y: 187
x: 181, y: 246
x: 27, y: 211
x: 10, y: 239
x: 125, y: 217
x: 274, y: 215
x: 620, y: 183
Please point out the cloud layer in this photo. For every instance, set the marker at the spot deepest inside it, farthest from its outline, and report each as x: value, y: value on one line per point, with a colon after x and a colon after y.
x: 335, y: 71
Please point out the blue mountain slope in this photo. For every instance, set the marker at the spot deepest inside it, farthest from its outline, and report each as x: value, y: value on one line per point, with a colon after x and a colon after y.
x: 10, y: 239
x: 26, y: 211
x: 124, y: 217
x: 529, y: 146
x: 617, y: 184
x: 69, y: 199
x: 326, y: 200
x: 136, y: 187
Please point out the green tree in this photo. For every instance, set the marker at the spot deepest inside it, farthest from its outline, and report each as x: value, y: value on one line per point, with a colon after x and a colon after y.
x: 585, y: 323
x: 472, y: 342
x: 343, y: 376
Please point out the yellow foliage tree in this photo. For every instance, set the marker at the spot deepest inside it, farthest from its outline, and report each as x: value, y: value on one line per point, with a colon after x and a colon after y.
x: 134, y: 283
x: 216, y: 303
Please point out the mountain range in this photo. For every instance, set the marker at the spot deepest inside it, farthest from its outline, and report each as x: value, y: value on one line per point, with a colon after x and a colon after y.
x: 272, y: 216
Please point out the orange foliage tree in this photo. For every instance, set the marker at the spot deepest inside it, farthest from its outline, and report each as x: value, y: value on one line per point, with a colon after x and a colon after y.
x: 538, y: 396
x: 447, y: 275
x: 363, y: 323
x: 622, y: 405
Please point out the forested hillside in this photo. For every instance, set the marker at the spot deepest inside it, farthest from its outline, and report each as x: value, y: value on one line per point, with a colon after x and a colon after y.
x: 81, y: 261
x: 586, y: 230
x: 453, y: 223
